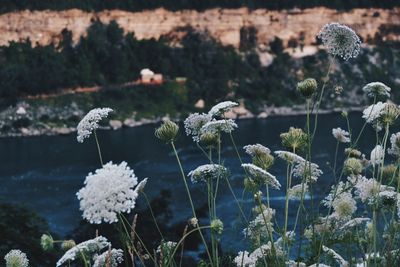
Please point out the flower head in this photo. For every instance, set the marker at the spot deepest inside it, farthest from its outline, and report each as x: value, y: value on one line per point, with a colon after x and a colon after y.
x: 308, y: 170
x: 344, y: 206
x: 216, y: 126
x: 341, y: 135
x: 193, y: 124
x: 340, y: 40
x: 256, y: 150
x: 294, y: 139
x: 377, y: 155
x: 395, y: 145
x: 261, y: 155
x: 110, y: 258
x: 89, y: 246
x: 367, y: 189
x: 207, y: 172
x: 16, y: 258
x: 376, y: 89
x: 108, y: 192
x: 289, y: 156
x: 297, y: 191
x: 90, y: 122
x: 352, y: 166
x: 261, y: 175
x: 217, y: 226
x: 47, y: 242
x: 307, y: 87
x: 222, y: 107
x: 167, y: 131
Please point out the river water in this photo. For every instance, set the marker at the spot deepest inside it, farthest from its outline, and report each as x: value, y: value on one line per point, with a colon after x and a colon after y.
x: 44, y: 173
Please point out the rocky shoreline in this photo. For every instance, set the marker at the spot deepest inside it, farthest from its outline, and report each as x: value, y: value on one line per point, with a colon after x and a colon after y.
x: 21, y: 121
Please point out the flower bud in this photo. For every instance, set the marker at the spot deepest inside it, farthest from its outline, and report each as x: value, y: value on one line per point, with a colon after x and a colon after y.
x: 68, y: 244
x: 307, y: 87
x: 294, y: 139
x: 264, y: 161
x: 167, y: 131
x: 217, y: 226
x: 47, y: 242
x: 353, y: 166
x: 209, y: 139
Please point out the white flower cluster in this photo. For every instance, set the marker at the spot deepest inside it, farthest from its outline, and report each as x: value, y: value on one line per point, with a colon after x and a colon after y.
x: 166, y: 246
x: 91, y: 122
x: 206, y: 172
x: 256, y: 150
x: 246, y: 259
x: 110, y: 258
x: 375, y: 89
x: 217, y: 126
x: 262, y: 175
x: 354, y: 222
x: 261, y: 225
x: 108, y: 192
x: 16, y: 258
x: 194, y: 123
x: 395, y: 145
x: 344, y: 206
x: 377, y: 155
x: 221, y: 108
x: 298, y: 191
x: 336, y: 256
x: 289, y: 156
x: 310, y: 170
x: 367, y: 189
x: 341, y: 135
x: 89, y: 246
x: 340, y: 40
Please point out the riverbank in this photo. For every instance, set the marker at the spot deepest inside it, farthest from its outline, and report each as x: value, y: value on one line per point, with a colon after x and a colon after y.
x: 24, y: 120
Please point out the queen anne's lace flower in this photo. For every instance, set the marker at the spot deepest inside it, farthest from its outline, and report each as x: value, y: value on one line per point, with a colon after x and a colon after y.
x: 89, y: 246
x: 256, y: 150
x: 16, y: 258
x: 307, y: 169
x: 340, y: 40
x: 372, y: 114
x: 341, y: 135
x: 354, y: 222
x: 289, y: 156
x: 367, y: 189
x: 395, y: 145
x: 140, y: 187
x: 108, y: 192
x: 262, y: 175
x: 206, y: 172
x: 194, y: 123
x: 222, y: 107
x: 375, y: 89
x: 297, y: 191
x: 339, y: 259
x: 91, y: 122
x: 216, y: 126
x: 109, y: 258
x: 377, y: 155
x: 344, y: 206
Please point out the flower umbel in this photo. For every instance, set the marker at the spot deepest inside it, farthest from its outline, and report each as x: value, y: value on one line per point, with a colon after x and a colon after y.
x: 376, y: 89
x: 341, y: 135
x: 108, y: 192
x: 207, y: 172
x: 340, y: 40
x: 167, y: 131
x: 221, y: 108
x: 16, y: 258
x: 90, y: 122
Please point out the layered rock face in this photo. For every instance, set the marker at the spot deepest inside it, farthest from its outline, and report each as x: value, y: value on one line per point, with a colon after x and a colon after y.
x: 44, y: 27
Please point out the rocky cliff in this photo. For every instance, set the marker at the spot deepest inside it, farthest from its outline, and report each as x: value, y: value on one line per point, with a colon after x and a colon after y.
x: 44, y: 27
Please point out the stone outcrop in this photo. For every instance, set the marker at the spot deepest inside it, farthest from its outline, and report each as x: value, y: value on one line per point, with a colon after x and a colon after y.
x: 44, y: 27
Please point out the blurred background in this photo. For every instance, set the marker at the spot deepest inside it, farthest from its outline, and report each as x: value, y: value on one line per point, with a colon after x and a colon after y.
x: 149, y: 60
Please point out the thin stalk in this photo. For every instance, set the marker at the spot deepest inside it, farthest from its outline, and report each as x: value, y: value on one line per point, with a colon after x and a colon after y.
x: 98, y: 147
x: 152, y: 214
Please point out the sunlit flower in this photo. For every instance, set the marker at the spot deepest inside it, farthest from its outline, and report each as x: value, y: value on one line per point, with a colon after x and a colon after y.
x: 341, y: 135
x: 89, y: 246
x: 340, y: 40
x: 395, y: 145
x: 367, y: 189
x: 221, y: 108
x: 217, y: 126
x: 108, y: 192
x: 289, y: 156
x: 207, y: 172
x: 256, y: 150
x: 194, y: 123
x: 261, y: 175
x: 16, y: 258
x: 373, y: 112
x: 376, y: 89
x: 344, y: 206
x: 308, y: 170
x: 90, y: 122
x: 109, y: 258
x: 377, y: 155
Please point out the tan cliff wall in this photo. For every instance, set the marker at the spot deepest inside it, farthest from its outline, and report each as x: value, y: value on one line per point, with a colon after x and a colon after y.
x: 44, y: 27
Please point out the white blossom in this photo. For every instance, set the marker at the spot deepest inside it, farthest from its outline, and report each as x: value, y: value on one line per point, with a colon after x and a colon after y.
x: 354, y: 222
x: 91, y: 122
x: 395, y: 145
x: 89, y: 246
x: 341, y: 135
x: 108, y: 192
x: 206, y: 172
x: 261, y: 225
x: 261, y: 174
x: 372, y: 114
x: 307, y: 169
x: 110, y: 258
x: 340, y: 40
x: 377, y: 89
x: 140, y: 187
x: 297, y: 191
x: 289, y: 156
x: 344, y: 206
x: 194, y: 123
x: 367, y: 189
x: 222, y: 107
x: 377, y: 155
x: 166, y: 246
x: 339, y: 259
x: 257, y: 149
x: 16, y: 258
x: 217, y: 126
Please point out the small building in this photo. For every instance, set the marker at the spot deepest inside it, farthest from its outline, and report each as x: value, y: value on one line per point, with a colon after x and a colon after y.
x: 149, y: 77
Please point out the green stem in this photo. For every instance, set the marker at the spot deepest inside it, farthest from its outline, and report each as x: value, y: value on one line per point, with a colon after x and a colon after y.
x: 98, y: 147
